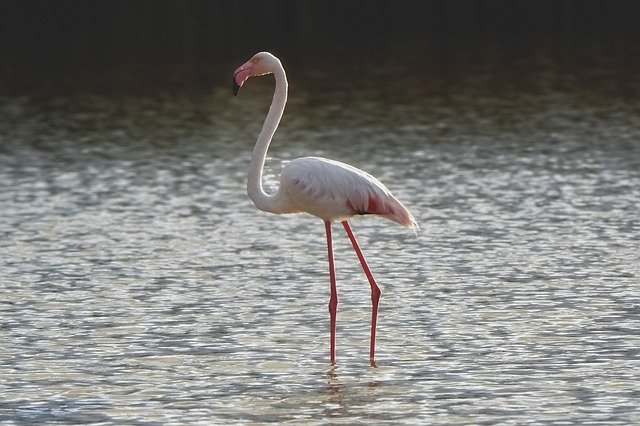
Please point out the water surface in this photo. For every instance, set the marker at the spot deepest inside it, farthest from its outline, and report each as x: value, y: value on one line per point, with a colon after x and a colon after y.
x: 140, y: 284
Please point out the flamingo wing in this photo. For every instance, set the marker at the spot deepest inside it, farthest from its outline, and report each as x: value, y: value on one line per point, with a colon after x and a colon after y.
x: 334, y: 191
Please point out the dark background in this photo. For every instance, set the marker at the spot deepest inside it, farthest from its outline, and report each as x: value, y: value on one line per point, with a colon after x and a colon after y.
x: 74, y: 44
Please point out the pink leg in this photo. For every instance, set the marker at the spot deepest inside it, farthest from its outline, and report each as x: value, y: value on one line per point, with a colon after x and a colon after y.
x: 375, y: 291
x: 333, y: 300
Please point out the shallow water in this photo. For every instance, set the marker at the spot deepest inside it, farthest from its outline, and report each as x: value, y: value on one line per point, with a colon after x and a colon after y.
x: 141, y: 285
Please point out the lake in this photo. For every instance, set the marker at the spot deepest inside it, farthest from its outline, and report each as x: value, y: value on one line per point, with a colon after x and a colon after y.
x: 141, y: 285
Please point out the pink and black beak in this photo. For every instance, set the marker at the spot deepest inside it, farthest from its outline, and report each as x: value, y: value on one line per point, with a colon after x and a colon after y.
x: 240, y: 76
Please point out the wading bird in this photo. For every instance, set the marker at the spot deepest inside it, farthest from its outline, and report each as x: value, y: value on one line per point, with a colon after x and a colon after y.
x: 328, y: 189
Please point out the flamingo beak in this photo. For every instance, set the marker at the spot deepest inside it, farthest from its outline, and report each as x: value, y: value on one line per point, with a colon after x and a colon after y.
x: 240, y: 76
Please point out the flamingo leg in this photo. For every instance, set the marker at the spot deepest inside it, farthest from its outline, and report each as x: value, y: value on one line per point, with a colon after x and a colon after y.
x: 375, y: 291
x: 333, y: 300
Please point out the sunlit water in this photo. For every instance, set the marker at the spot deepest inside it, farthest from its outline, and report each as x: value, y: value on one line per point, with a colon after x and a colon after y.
x: 140, y: 284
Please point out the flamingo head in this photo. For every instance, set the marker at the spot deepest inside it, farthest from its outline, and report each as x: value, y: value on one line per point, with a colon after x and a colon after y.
x: 260, y: 64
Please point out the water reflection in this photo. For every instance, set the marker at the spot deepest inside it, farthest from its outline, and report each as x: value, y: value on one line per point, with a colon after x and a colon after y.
x: 140, y: 283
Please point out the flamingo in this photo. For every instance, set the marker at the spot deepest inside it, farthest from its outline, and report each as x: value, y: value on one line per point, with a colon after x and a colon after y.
x: 328, y: 189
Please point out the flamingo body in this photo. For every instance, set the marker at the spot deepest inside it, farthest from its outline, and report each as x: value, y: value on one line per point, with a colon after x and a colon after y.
x: 328, y: 189
x: 335, y: 191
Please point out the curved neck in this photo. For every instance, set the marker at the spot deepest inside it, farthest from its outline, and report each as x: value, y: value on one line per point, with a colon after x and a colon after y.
x: 261, y: 199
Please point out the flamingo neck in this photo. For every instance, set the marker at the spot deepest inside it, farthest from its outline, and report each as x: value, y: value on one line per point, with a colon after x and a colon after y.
x: 262, y: 200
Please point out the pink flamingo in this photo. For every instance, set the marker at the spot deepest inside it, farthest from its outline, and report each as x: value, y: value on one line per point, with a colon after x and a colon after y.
x: 328, y: 189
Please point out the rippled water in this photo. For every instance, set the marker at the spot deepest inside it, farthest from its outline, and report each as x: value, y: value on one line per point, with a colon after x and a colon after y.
x: 139, y: 283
